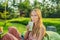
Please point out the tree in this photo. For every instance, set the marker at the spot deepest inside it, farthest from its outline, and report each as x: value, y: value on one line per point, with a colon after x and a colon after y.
x: 25, y: 8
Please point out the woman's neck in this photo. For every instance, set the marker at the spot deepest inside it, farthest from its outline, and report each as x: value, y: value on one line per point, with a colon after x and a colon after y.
x: 35, y: 23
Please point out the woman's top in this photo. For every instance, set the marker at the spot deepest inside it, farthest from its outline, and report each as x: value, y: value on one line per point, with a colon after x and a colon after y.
x: 41, y: 35
x: 32, y: 37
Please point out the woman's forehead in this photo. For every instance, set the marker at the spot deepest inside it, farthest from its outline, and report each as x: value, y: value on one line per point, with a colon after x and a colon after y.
x: 33, y: 13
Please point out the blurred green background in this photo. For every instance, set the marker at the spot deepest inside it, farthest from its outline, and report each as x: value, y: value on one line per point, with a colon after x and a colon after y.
x: 16, y: 13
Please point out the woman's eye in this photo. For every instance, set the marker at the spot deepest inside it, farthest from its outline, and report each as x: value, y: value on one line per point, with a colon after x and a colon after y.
x: 35, y: 15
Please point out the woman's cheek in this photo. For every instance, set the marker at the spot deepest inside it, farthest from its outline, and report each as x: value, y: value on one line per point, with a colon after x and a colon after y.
x: 36, y: 19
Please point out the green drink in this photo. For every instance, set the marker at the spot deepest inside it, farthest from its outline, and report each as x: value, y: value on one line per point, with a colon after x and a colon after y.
x: 30, y: 26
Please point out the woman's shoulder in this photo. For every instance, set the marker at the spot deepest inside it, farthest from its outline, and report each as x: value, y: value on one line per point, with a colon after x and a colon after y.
x: 43, y: 27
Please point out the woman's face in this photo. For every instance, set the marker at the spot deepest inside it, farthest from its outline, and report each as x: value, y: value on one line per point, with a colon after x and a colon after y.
x: 34, y: 17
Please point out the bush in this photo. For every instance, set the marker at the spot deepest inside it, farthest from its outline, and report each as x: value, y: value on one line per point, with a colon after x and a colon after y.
x: 52, y: 36
x: 46, y: 21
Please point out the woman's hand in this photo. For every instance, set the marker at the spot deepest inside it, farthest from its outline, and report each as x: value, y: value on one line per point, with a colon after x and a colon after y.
x: 27, y: 27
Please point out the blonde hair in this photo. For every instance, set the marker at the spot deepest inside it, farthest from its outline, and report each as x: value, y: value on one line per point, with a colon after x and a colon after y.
x: 36, y: 28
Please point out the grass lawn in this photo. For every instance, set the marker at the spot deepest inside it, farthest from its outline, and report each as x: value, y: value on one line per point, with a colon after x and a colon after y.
x: 20, y: 23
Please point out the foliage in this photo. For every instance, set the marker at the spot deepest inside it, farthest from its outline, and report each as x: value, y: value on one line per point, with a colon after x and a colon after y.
x: 46, y: 21
x: 25, y: 7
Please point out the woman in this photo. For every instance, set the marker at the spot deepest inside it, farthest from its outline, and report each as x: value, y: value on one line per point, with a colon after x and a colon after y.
x: 12, y: 34
x: 38, y: 30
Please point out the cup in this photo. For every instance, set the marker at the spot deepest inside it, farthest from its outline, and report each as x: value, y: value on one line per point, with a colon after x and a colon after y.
x: 30, y: 26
